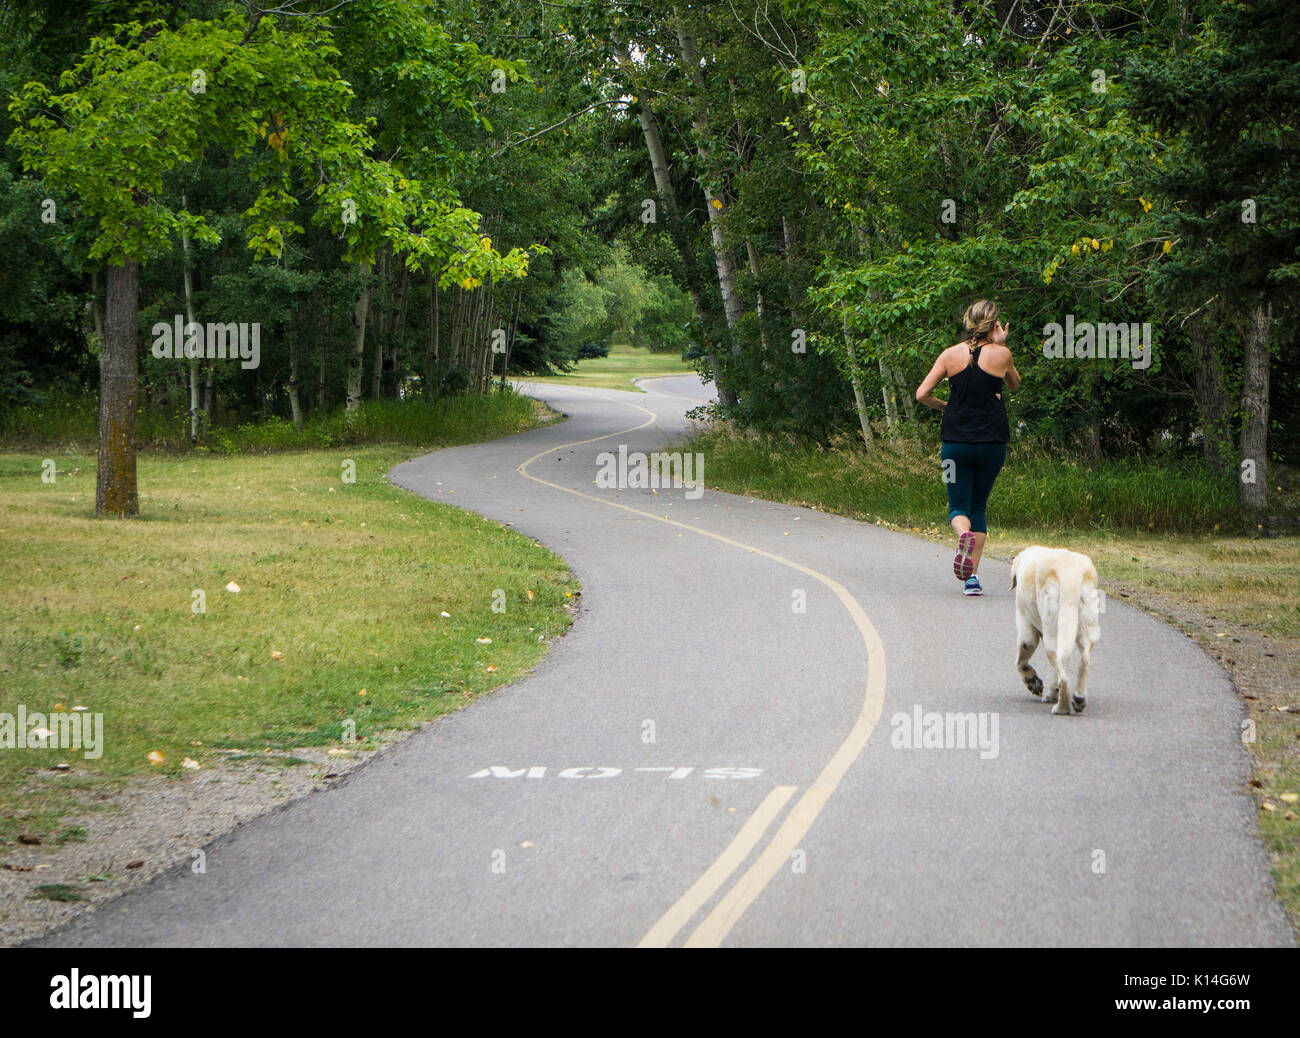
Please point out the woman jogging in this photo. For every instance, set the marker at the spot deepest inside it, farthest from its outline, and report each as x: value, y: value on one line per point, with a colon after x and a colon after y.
x: 974, y: 428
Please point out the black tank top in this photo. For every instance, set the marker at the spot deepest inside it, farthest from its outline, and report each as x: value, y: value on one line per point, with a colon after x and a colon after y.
x: 975, y: 413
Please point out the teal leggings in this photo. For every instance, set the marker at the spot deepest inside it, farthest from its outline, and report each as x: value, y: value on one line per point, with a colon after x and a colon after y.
x: 969, y: 469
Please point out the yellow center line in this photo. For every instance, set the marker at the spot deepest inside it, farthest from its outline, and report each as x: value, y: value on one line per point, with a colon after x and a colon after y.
x: 719, y: 922
x: 720, y: 871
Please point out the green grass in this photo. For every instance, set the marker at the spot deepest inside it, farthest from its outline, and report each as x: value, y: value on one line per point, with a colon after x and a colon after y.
x: 337, y: 617
x: 900, y: 482
x: 1167, y: 537
x: 71, y: 424
x: 617, y: 371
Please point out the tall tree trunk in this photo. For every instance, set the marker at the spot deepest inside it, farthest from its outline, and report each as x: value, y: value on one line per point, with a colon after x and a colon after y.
x: 115, y: 485
x: 378, y: 313
x: 295, y: 404
x: 1257, y: 335
x: 859, y: 399
x: 887, y: 393
x: 1211, y: 396
x: 756, y: 271
x: 732, y: 305
x: 196, y: 412
x: 397, y: 330
x: 323, y: 335
x: 360, y: 315
x: 431, y: 367
x: 659, y: 167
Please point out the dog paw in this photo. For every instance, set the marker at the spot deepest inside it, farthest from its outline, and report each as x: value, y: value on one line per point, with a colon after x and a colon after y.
x: 1035, y: 686
x: 1058, y: 709
x: 1078, y: 704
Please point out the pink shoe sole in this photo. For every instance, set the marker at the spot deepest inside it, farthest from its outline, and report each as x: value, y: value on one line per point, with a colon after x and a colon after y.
x: 963, y: 565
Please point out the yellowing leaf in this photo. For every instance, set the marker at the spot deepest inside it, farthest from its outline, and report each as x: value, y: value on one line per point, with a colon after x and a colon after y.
x: 156, y: 757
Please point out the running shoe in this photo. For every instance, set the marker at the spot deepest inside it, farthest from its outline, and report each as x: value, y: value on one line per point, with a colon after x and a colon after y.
x: 963, y: 565
x: 973, y: 587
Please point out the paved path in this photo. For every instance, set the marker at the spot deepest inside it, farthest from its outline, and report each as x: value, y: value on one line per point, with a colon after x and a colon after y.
x: 777, y: 804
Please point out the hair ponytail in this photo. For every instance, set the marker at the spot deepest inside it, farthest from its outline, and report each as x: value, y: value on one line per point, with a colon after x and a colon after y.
x: 980, y: 317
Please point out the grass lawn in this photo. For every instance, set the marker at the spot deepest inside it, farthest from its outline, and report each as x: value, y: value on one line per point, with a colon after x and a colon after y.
x: 617, y: 371
x: 1150, y: 530
x: 339, y: 614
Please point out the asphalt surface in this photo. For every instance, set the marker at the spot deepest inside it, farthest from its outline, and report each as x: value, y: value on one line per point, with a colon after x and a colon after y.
x: 783, y: 803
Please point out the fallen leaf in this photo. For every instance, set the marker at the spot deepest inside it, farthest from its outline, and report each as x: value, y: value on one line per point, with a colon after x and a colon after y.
x: 134, y: 864
x: 233, y: 588
x: 334, y: 751
x: 190, y: 763
x: 1266, y: 806
x: 492, y: 667
x: 20, y: 868
x: 484, y: 641
x: 1289, y: 798
x: 526, y: 843
x: 156, y: 757
x: 276, y: 654
x: 446, y: 616
x: 29, y: 839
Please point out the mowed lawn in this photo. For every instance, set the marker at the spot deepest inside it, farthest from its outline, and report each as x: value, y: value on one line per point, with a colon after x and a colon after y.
x: 617, y: 371
x: 342, y: 587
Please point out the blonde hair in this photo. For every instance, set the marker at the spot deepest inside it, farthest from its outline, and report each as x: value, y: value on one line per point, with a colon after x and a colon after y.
x: 980, y: 318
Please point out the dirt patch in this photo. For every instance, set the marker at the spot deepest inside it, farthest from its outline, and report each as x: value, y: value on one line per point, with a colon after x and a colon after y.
x: 147, y: 827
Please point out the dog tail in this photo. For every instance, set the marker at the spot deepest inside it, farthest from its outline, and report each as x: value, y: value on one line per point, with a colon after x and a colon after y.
x: 1067, y: 616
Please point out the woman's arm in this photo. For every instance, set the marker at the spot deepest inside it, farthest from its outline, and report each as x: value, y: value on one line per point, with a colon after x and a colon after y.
x: 925, y: 390
x: 999, y: 336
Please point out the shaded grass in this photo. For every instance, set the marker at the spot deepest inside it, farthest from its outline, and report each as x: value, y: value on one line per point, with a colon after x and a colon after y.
x: 346, y: 581
x: 617, y: 371
x: 71, y: 425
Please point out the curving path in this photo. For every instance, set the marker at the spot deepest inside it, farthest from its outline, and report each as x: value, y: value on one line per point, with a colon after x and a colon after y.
x: 779, y: 802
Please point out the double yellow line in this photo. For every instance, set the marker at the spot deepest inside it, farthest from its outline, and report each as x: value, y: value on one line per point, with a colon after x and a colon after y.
x: 713, y: 930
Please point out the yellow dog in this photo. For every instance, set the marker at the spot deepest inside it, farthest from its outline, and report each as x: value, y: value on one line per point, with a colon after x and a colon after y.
x: 1057, y: 601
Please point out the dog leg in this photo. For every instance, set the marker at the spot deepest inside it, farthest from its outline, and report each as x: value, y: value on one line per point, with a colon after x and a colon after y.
x: 1080, y: 698
x: 1028, y: 638
x: 1062, y: 694
x: 1052, y: 693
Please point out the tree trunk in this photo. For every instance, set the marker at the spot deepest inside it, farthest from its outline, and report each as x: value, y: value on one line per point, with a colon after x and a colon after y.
x: 676, y: 227
x: 323, y: 333
x: 859, y: 400
x: 360, y: 313
x: 1211, y: 397
x: 295, y: 404
x: 431, y: 367
x: 196, y: 412
x: 1257, y: 334
x: 887, y: 393
x: 115, y: 485
x: 378, y: 313
x: 732, y: 306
